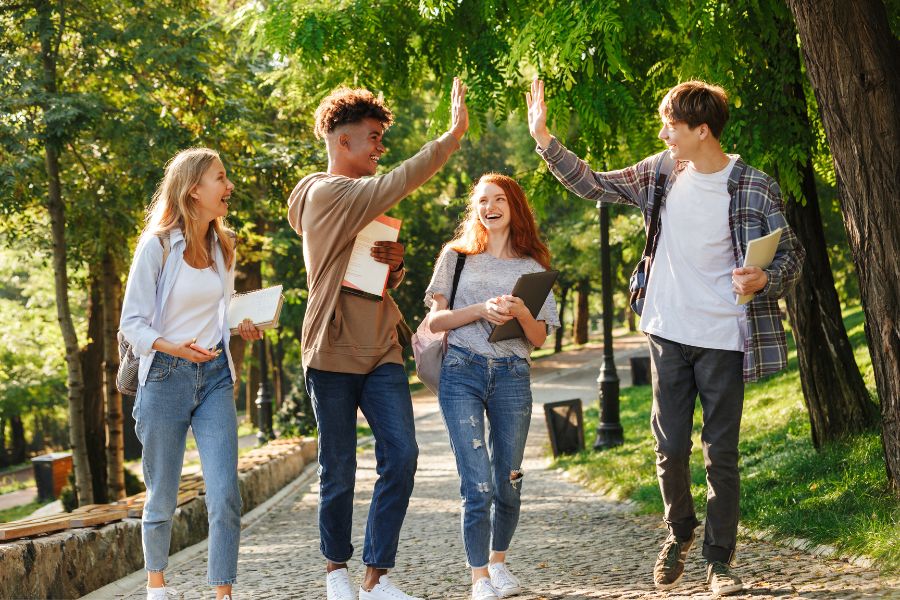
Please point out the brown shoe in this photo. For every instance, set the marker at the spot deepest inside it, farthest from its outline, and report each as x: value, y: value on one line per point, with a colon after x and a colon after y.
x: 670, y: 562
x: 722, y: 581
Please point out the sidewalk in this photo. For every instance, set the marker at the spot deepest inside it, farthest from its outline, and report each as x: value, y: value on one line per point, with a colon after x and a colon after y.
x: 571, y: 543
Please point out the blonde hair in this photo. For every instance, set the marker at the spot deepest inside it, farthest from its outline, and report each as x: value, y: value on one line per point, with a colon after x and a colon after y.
x: 173, y: 207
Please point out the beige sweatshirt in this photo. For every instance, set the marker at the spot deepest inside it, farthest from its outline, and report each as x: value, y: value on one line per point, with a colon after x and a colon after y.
x: 343, y: 332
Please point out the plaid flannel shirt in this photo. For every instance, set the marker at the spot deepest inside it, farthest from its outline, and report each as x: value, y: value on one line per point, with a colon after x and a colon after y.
x: 755, y: 210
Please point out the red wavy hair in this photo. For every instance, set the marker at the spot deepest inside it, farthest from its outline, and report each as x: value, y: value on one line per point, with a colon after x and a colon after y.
x: 471, y: 236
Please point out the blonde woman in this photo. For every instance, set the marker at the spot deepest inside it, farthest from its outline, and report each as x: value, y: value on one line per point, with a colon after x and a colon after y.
x: 174, y: 314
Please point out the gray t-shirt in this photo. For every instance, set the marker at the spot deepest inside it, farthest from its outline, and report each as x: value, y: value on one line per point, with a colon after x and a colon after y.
x: 482, y: 278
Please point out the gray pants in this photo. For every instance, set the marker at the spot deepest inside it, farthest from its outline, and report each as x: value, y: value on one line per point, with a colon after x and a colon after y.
x: 680, y: 372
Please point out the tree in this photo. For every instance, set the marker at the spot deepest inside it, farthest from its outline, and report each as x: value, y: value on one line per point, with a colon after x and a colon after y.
x: 852, y: 59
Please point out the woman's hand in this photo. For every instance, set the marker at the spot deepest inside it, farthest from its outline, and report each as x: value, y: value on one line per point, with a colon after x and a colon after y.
x: 249, y: 332
x: 514, y: 306
x: 189, y: 350
x: 494, y: 313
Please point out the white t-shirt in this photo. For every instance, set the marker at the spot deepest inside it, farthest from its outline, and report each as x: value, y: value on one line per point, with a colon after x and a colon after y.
x: 689, y: 296
x: 194, y: 309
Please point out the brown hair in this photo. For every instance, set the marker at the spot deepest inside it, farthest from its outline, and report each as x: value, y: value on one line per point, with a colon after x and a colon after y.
x: 471, y: 236
x: 172, y: 205
x: 345, y: 105
x: 696, y: 102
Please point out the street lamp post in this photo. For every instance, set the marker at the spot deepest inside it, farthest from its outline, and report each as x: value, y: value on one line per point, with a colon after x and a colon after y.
x: 609, y: 429
x: 264, y: 398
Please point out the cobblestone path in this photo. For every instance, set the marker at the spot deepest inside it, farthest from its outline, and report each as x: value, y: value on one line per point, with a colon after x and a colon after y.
x: 571, y: 543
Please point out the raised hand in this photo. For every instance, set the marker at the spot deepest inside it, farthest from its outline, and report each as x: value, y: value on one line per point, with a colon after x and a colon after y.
x: 537, y: 114
x: 459, y: 114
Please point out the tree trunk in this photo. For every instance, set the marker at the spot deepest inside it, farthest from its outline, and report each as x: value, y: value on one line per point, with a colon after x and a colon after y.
x: 247, y: 278
x: 582, y: 316
x: 4, y: 455
x: 115, y: 439
x: 92, y: 372
x: 19, y: 446
x: 560, y: 332
x: 852, y: 58
x: 833, y: 388
x: 56, y: 210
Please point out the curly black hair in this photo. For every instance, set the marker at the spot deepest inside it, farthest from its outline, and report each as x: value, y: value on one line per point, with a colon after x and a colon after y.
x: 346, y: 105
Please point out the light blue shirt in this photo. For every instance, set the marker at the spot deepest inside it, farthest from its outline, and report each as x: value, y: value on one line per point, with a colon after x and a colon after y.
x: 148, y: 290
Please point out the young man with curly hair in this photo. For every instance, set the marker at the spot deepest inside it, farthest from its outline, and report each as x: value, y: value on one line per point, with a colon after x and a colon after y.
x: 351, y: 355
x: 709, y: 208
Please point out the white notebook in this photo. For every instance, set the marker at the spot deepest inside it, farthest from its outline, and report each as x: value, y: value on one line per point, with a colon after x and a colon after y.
x: 760, y: 253
x: 260, y: 306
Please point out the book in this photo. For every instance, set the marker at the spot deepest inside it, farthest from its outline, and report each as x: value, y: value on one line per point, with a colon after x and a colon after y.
x: 263, y: 307
x: 365, y: 276
x: 760, y: 253
x: 533, y: 289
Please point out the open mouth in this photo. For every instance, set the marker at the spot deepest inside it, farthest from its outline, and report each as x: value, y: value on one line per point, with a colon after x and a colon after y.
x: 493, y: 217
x: 226, y: 199
x: 374, y: 158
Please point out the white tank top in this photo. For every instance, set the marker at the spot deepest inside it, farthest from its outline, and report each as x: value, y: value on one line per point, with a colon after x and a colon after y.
x: 194, y: 308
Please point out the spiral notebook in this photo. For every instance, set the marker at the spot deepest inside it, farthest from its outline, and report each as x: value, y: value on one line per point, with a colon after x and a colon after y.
x: 263, y: 307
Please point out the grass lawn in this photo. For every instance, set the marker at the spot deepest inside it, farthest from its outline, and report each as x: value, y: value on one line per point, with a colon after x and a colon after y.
x: 838, y: 496
x: 20, y: 512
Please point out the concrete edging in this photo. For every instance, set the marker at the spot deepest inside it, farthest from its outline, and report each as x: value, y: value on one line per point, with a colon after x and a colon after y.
x: 75, y: 562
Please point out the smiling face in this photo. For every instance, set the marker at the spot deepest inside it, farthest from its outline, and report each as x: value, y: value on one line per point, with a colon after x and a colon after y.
x: 213, y: 192
x: 492, y: 207
x: 359, y: 147
x: 683, y: 142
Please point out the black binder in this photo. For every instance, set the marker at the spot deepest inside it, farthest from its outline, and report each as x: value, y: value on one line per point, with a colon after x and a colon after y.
x: 533, y: 289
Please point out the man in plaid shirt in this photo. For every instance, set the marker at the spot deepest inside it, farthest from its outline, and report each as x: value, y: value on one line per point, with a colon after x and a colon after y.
x: 701, y: 340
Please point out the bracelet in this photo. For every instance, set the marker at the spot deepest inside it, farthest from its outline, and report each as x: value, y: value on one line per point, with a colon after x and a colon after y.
x: 399, y: 268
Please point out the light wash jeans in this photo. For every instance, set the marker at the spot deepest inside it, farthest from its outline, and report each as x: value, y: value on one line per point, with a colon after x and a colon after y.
x: 474, y: 386
x: 179, y: 394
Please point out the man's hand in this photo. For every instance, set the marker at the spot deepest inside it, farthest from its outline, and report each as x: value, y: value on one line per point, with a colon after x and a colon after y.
x: 748, y: 280
x: 389, y: 253
x: 537, y: 114
x: 459, y: 114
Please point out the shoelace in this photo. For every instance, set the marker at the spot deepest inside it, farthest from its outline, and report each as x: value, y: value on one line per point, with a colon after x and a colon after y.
x: 342, y: 586
x: 387, y: 587
x: 720, y: 569
x: 671, y: 552
x: 503, y: 576
x: 483, y: 587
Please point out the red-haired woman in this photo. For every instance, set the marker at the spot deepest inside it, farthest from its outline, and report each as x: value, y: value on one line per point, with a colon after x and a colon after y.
x: 498, y: 242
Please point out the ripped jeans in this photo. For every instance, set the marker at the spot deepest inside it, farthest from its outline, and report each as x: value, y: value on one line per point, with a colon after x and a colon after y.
x: 490, y: 471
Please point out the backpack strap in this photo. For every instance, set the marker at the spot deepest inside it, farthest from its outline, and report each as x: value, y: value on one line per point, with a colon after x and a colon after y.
x: 460, y: 263
x: 663, y: 170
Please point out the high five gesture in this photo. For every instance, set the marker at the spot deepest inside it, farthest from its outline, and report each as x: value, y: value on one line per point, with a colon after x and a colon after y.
x: 537, y: 114
x: 459, y: 114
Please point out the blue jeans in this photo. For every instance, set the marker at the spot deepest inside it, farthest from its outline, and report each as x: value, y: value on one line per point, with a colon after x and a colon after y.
x: 179, y: 394
x: 383, y: 397
x: 471, y: 387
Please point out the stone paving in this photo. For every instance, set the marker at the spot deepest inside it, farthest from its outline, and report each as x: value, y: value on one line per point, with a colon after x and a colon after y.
x: 571, y: 543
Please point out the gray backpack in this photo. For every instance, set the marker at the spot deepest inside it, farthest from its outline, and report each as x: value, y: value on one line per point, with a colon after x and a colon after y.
x: 127, y: 375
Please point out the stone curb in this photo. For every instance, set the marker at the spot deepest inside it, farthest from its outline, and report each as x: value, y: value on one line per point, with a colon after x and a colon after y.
x: 810, y: 547
x: 74, y: 562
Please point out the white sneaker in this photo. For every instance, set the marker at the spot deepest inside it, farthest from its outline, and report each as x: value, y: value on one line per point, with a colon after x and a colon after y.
x: 163, y: 593
x: 503, y: 581
x: 483, y: 590
x: 337, y: 585
x: 385, y: 590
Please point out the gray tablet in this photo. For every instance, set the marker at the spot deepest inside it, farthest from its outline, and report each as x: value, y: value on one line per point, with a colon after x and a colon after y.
x: 533, y: 289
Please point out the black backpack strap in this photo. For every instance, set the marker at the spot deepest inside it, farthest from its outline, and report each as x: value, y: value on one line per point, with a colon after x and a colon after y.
x: 460, y: 263
x: 663, y: 170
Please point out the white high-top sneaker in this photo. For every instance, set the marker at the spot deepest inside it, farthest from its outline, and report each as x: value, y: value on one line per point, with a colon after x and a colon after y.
x: 503, y: 581
x: 163, y: 593
x: 337, y: 585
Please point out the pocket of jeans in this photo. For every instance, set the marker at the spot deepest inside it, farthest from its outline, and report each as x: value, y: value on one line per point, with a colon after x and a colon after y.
x: 522, y: 370
x: 453, y: 360
x: 159, y: 370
